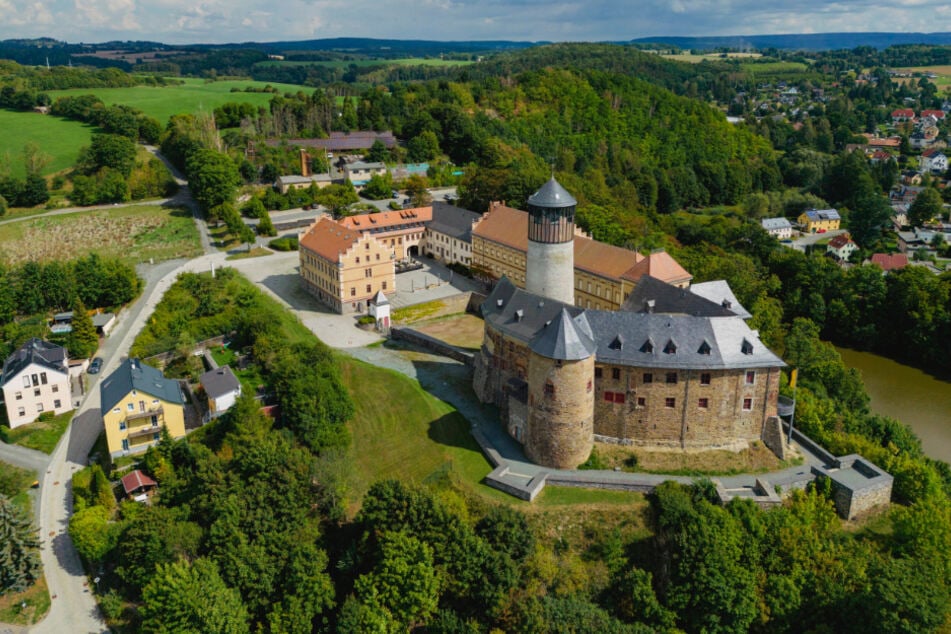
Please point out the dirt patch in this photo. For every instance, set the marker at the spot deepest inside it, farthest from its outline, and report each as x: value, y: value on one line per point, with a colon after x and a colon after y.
x: 757, y: 459
x: 462, y: 331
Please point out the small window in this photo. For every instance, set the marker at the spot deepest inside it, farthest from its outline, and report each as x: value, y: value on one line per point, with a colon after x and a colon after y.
x: 615, y: 373
x: 747, y: 404
x: 121, y: 425
x: 670, y: 402
x: 57, y: 403
x: 353, y: 291
x: 21, y: 411
x: 597, y: 373
x: 43, y: 378
x: 703, y: 403
x: 672, y: 378
x: 549, y: 389
x: 609, y: 397
x: 750, y: 377
x: 648, y: 377
x: 55, y: 388
x: 647, y: 347
x: 747, y: 347
x: 26, y: 380
x: 619, y: 397
x: 130, y: 407
x: 704, y: 378
x: 115, y: 410
x: 671, y: 347
x: 36, y: 391
x: 383, y: 285
x: 704, y: 348
x: 641, y: 401
x: 368, y: 288
x: 39, y: 407
x: 358, y: 259
x: 19, y: 396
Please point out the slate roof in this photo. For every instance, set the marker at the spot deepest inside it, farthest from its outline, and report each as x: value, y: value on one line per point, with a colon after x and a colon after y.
x: 552, y: 195
x: 43, y: 353
x: 134, y: 375
x: 563, y: 339
x: 380, y: 299
x: 675, y: 341
x: 654, y: 296
x: 720, y: 293
x: 453, y: 221
x: 219, y: 382
x: 773, y: 224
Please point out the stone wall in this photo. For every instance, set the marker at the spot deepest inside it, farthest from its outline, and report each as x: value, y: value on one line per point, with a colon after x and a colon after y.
x: 432, y: 344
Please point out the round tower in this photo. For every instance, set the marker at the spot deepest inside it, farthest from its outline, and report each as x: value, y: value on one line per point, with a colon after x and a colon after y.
x: 550, y: 266
x: 559, y: 432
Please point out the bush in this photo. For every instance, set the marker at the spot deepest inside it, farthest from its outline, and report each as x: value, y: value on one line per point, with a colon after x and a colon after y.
x: 367, y: 319
x: 287, y: 243
x: 46, y: 417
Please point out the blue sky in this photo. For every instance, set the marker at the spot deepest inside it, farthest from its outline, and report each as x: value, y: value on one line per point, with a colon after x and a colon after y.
x: 212, y: 21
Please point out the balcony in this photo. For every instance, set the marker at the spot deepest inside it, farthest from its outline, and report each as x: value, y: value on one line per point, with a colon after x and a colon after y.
x: 143, y: 432
x: 149, y: 413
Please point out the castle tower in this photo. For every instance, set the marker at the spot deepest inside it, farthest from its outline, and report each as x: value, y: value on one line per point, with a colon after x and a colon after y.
x: 550, y: 267
x: 559, y: 432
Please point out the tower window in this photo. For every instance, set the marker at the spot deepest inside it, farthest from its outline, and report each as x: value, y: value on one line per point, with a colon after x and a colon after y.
x: 747, y: 404
x: 549, y: 389
x: 704, y: 378
x: 672, y: 378
x: 703, y: 403
x: 750, y: 377
x: 670, y: 402
x: 597, y: 373
x: 615, y: 373
x: 648, y: 377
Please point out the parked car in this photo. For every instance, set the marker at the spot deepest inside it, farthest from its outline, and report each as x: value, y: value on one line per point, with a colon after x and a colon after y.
x: 95, y: 366
x: 396, y: 194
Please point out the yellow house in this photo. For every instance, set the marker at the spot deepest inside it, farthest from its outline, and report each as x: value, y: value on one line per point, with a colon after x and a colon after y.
x: 819, y: 220
x: 137, y: 401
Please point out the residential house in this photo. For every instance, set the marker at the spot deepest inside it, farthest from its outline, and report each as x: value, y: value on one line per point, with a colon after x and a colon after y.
x: 880, y: 156
x: 934, y: 161
x: 905, y: 194
x: 916, y: 239
x: 359, y: 173
x: 903, y: 114
x: 819, y: 220
x: 779, y: 228
x: 841, y: 247
x: 900, y: 215
x: 137, y: 401
x: 449, y: 235
x: 222, y: 389
x: 937, y: 115
x: 35, y: 380
x: 292, y: 181
x: 890, y: 261
x: 403, y: 230
x: 604, y: 275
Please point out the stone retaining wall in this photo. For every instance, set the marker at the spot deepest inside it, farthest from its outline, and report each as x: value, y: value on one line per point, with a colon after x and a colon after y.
x: 431, y: 343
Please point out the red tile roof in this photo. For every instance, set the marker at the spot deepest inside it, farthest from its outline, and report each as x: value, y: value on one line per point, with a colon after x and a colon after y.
x: 908, y: 113
x: 132, y: 482
x: 937, y: 114
x: 890, y: 261
x: 388, y: 219
x: 840, y: 241
x: 329, y: 239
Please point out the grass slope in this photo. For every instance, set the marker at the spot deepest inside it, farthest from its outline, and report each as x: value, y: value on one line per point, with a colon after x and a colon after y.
x: 134, y: 234
x: 39, y: 435
x: 195, y: 95
x: 59, y: 138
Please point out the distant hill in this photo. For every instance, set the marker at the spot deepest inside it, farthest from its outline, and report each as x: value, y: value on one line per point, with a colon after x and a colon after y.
x: 807, y: 42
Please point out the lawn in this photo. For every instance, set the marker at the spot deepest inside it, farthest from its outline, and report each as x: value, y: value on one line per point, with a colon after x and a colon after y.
x: 59, y: 138
x: 39, y: 435
x: 133, y: 233
x: 193, y: 96
x: 31, y: 605
x: 401, y: 431
x: 943, y: 73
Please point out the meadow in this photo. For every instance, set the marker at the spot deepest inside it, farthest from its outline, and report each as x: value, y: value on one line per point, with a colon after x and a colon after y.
x: 133, y: 234
x: 943, y: 72
x: 195, y: 95
x: 59, y: 138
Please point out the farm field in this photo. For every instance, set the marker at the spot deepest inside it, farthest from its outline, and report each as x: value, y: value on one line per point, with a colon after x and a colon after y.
x: 59, y: 138
x: 133, y: 234
x: 943, y: 73
x: 696, y: 59
x: 193, y: 96
x: 360, y: 63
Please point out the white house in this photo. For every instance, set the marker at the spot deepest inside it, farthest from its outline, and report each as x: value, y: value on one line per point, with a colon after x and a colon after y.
x: 780, y: 228
x: 841, y: 247
x: 222, y: 388
x: 934, y: 161
x: 35, y: 379
x: 359, y: 172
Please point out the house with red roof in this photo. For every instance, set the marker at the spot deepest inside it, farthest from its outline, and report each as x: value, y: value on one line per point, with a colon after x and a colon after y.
x: 890, y: 261
x: 903, y: 114
x: 841, y: 247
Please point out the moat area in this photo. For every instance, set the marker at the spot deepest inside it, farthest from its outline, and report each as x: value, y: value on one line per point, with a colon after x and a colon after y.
x: 910, y: 395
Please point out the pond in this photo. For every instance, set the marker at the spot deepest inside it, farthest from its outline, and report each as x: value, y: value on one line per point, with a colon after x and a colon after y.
x: 914, y: 397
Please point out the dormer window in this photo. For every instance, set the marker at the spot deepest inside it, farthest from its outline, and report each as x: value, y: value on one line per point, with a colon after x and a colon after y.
x: 671, y: 347
x: 704, y: 348
x: 617, y: 343
x: 747, y: 347
x: 648, y: 347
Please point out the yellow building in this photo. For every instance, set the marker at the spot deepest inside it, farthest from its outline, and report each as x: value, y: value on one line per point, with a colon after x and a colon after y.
x: 345, y: 268
x: 604, y: 274
x: 819, y: 220
x: 137, y: 401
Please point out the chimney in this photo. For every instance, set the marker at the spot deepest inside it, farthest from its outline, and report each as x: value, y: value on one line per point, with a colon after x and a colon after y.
x: 304, y: 162
x: 649, y: 306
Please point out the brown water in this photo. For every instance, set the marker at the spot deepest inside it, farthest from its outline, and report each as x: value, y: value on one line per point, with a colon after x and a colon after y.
x: 909, y: 395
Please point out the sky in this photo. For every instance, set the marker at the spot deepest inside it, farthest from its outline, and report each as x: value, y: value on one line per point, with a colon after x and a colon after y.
x: 219, y: 21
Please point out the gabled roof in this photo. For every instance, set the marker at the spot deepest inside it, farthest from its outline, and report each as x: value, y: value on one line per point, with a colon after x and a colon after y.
x: 135, y: 480
x: 219, y: 382
x: 654, y: 296
x: 890, y: 261
x: 43, y: 353
x: 932, y: 152
x: 552, y: 195
x: 356, y: 140
x: 840, y: 241
x: 563, y: 340
x: 660, y: 265
x: 132, y: 374
x: 329, y: 239
x: 720, y: 293
x: 775, y: 223
x: 822, y: 214
x: 453, y: 221
x: 361, y: 165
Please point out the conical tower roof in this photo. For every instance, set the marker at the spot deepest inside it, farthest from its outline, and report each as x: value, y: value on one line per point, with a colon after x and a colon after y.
x: 563, y: 340
x: 552, y: 195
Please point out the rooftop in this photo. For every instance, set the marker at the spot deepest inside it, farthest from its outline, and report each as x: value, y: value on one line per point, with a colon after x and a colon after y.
x: 43, y: 353
x: 219, y: 382
x: 329, y: 239
x: 132, y: 374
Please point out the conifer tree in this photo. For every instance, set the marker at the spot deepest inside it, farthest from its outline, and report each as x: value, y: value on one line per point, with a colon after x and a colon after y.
x: 19, y: 549
x: 83, y: 340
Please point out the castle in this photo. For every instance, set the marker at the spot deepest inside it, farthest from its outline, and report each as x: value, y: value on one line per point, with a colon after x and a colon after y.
x: 671, y: 368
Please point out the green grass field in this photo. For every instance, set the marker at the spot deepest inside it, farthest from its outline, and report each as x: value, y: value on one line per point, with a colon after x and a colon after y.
x: 195, y: 95
x: 38, y: 435
x: 134, y: 234
x: 362, y: 63
x: 59, y: 138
